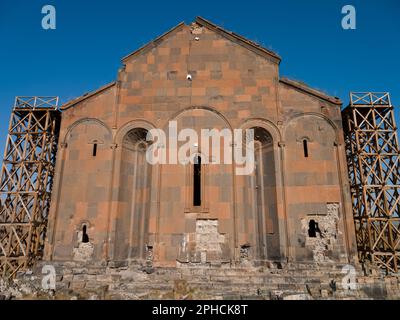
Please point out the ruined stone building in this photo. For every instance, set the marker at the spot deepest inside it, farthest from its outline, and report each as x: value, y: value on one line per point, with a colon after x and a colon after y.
x: 79, y: 191
x: 109, y: 204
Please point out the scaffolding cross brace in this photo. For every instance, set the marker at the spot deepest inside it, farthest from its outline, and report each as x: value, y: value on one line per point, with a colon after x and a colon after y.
x: 373, y: 160
x: 26, y: 181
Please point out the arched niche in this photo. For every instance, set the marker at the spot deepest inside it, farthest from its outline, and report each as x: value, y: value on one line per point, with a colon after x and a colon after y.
x: 263, y: 184
x: 84, y: 185
x: 312, y: 179
x: 131, y: 233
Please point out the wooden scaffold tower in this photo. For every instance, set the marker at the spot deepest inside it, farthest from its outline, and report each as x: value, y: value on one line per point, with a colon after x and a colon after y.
x: 373, y: 160
x: 26, y: 181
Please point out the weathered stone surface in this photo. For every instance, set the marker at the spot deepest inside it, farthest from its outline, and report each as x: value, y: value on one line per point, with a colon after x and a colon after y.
x: 124, y: 229
x: 233, y: 283
x: 115, y: 207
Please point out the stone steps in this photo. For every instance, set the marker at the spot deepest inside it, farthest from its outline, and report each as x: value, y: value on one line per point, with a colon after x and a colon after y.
x: 214, y: 283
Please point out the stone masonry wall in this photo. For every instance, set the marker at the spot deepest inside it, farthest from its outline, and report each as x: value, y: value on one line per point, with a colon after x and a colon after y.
x: 289, y: 282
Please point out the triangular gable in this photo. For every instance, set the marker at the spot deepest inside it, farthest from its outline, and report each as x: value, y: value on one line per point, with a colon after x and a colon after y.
x: 155, y: 42
x: 231, y: 36
x: 234, y: 37
x: 85, y: 96
x: 304, y: 88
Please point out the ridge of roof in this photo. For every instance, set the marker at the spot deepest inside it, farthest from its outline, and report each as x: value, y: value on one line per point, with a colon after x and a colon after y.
x: 85, y: 96
x: 244, y: 41
x: 312, y: 91
x: 251, y: 45
x: 154, y: 42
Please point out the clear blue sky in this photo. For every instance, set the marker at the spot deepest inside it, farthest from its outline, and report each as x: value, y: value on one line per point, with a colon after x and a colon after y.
x: 84, y: 51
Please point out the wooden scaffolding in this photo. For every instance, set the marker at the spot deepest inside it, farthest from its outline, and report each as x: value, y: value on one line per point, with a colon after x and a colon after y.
x: 373, y: 160
x: 26, y: 181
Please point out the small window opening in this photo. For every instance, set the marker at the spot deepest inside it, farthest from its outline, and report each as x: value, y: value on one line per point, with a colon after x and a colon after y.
x: 305, y: 148
x: 312, y: 232
x: 85, y: 236
x: 197, y: 182
x: 94, y: 149
x: 313, y: 229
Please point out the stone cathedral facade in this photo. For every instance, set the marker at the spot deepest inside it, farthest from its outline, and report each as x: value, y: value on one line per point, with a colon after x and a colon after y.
x: 110, y: 205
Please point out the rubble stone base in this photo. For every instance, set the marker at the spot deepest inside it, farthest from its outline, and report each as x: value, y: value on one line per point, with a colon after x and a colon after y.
x: 80, y: 280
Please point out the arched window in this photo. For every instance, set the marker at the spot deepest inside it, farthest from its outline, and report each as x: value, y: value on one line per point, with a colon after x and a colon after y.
x: 305, y: 148
x: 85, y: 236
x: 94, y: 149
x: 197, y: 182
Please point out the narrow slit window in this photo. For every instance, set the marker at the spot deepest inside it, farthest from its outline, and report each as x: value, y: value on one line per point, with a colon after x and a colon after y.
x: 305, y: 148
x: 94, y: 149
x: 312, y: 229
x: 197, y: 182
x: 85, y: 236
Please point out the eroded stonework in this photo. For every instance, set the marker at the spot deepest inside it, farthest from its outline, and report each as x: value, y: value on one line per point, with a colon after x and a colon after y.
x: 209, y: 242
x: 93, y: 282
x: 204, y: 246
x: 322, y: 243
x: 157, y: 214
x: 84, y: 250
